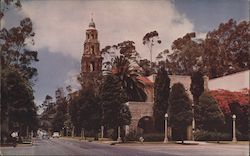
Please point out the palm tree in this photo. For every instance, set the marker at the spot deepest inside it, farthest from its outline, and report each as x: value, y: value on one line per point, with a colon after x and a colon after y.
x: 133, y: 87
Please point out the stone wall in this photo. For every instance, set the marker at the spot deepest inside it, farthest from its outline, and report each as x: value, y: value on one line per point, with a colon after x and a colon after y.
x: 233, y: 82
x: 139, y: 110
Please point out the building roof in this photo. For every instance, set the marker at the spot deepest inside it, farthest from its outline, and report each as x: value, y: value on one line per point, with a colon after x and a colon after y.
x: 145, y: 80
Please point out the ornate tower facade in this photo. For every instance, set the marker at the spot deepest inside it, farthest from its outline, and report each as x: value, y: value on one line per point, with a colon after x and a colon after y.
x: 91, y: 64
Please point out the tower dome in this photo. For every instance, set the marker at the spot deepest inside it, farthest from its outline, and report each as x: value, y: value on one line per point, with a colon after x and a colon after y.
x: 91, y: 24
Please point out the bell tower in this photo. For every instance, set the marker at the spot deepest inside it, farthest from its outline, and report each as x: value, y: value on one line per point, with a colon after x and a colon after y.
x: 91, y: 64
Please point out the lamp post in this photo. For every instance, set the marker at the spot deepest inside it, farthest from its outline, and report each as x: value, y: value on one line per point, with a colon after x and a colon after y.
x: 67, y: 130
x: 82, y: 134
x: 193, y: 122
x: 166, y: 128
x: 119, y: 134
x: 234, y: 131
x: 63, y: 131
x: 72, y: 132
x: 102, y: 129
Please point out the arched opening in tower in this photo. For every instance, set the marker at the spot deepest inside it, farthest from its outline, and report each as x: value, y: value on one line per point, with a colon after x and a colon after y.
x: 92, y: 49
x: 92, y: 66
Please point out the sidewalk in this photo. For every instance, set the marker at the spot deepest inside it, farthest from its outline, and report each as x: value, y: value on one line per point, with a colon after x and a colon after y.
x: 137, y: 143
x: 77, y: 138
x: 101, y: 140
x: 132, y: 143
x: 24, y: 144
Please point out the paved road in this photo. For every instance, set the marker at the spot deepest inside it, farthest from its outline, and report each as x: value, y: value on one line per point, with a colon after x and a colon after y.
x: 72, y: 147
x: 198, y: 150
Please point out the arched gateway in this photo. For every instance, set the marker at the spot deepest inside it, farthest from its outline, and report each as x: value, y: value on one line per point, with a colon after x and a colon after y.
x: 140, y: 110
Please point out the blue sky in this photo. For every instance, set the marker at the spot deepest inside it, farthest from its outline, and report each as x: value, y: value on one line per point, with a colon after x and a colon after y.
x: 206, y: 15
x: 60, y: 29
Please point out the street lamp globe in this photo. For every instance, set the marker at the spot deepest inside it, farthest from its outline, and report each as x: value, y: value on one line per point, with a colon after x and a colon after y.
x: 234, y: 116
x: 166, y: 115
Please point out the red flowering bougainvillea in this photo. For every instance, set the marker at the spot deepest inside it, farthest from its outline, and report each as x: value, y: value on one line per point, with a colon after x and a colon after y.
x: 225, y: 97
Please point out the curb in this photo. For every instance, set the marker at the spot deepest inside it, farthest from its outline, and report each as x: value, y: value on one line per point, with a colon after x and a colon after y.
x: 191, y: 143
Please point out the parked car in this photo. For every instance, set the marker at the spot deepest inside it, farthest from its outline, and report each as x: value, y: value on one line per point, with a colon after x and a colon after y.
x: 56, y: 135
x: 45, y: 136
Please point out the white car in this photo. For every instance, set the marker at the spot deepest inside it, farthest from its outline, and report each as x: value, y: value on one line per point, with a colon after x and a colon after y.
x: 56, y: 135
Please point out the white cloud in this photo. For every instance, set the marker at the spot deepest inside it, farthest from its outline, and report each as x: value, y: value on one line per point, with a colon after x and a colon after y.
x: 71, y: 79
x: 201, y: 35
x: 60, y: 25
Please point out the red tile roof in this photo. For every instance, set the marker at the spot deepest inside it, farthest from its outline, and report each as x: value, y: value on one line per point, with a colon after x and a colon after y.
x: 145, y: 80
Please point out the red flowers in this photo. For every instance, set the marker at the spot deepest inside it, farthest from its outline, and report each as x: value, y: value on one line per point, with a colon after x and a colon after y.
x: 225, y: 97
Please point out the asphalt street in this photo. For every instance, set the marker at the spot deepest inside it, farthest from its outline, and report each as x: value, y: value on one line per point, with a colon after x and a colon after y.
x: 74, y: 147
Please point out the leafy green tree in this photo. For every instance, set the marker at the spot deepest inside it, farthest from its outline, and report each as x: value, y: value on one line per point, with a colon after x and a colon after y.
x: 125, y: 49
x: 179, y: 110
x: 186, y: 55
x: 6, y: 4
x: 14, y: 48
x: 150, y: 39
x: 224, y: 51
x: 46, y: 103
x: 227, y: 49
x: 161, y: 91
x: 132, y: 86
x: 74, y: 112
x: 161, y: 59
x: 17, y: 102
x: 115, y: 112
x: 121, y: 60
x: 17, y: 72
x: 85, y: 111
x: 242, y: 114
x: 148, y: 68
x: 197, y: 86
x: 145, y: 65
x: 60, y: 115
x: 242, y: 117
x: 49, y: 110
x: 67, y: 122
x: 208, y: 115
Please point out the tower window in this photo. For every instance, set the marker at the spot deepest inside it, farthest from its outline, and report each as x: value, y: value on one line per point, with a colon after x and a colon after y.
x: 92, y: 36
x: 92, y: 66
x: 92, y: 49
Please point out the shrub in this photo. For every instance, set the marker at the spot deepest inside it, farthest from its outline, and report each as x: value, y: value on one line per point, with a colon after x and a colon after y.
x: 89, y: 133
x: 212, y: 136
x: 180, y: 111
x: 112, y: 133
x: 132, y: 136
x: 153, y: 137
x: 208, y: 115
